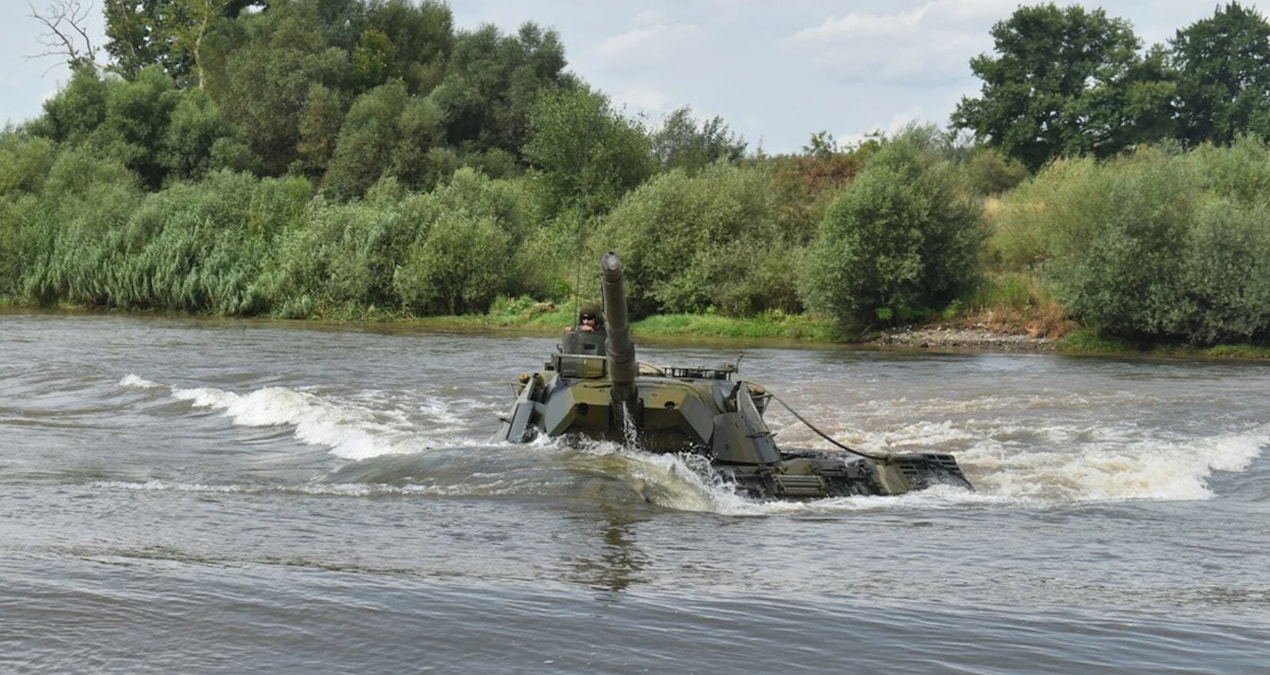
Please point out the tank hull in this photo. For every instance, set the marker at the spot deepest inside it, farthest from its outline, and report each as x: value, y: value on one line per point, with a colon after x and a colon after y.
x: 595, y: 388
x: 680, y: 416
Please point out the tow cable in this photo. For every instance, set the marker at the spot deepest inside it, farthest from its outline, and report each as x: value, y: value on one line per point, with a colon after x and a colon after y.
x: 827, y: 437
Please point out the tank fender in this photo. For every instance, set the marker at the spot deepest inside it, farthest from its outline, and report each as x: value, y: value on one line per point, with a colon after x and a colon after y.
x: 518, y: 426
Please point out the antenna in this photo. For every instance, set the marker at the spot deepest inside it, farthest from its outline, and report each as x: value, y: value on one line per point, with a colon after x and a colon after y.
x: 577, y: 280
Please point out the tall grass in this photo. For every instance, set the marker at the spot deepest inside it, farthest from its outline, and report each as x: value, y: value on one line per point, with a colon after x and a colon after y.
x: 1013, y: 302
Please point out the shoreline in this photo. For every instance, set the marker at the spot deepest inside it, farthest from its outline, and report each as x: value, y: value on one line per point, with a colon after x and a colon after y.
x: 949, y: 337
x: 943, y: 337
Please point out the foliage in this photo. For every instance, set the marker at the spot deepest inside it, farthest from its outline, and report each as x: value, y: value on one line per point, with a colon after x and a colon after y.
x: 462, y: 256
x: 187, y: 248
x: 458, y: 167
x: 1223, y: 85
x: 198, y: 139
x: 678, y: 142
x: 366, y: 141
x: 1226, y: 274
x: 265, y: 74
x: 84, y: 203
x: 901, y: 239
x: 488, y: 96
x: 24, y: 165
x: 587, y: 156
x: 421, y: 38
x: 76, y: 111
x: 136, y: 123
x: 1089, y: 341
x: 806, y: 184
x: 991, y: 172
x: 1051, y: 216
x: 167, y: 33
x: 695, y: 243
x: 1156, y: 246
x: 1063, y: 83
x: 25, y: 162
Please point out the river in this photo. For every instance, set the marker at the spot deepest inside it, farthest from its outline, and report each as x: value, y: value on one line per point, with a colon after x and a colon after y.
x: 207, y: 496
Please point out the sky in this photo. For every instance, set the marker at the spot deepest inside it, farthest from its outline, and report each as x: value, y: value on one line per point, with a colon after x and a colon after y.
x: 775, y: 72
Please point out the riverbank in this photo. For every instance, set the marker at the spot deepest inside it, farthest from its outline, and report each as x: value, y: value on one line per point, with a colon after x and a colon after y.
x: 978, y: 338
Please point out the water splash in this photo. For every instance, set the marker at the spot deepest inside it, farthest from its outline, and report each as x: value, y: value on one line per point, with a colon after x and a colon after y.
x: 1107, y: 465
x: 1008, y: 461
x: 350, y: 428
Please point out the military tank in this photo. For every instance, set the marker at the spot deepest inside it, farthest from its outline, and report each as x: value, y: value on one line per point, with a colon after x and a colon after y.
x: 593, y: 387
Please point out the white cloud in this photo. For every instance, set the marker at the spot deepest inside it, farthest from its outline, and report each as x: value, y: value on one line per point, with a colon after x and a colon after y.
x: 644, y: 46
x: 865, y: 26
x: 927, y: 44
x: 647, y: 98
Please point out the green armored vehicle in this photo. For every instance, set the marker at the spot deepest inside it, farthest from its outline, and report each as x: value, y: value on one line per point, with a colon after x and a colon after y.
x: 593, y: 387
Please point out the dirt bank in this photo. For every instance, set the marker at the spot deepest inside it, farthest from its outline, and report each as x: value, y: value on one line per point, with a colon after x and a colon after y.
x: 961, y: 337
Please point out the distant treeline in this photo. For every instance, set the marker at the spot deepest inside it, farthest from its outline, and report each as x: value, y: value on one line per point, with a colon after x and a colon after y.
x: 340, y: 158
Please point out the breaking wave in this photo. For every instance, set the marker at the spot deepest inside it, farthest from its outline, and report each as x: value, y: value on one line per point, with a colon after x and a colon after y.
x: 1009, y: 463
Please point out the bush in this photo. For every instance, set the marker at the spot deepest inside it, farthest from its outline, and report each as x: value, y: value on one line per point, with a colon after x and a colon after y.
x: 711, y: 241
x: 70, y: 236
x: 1127, y: 279
x: 467, y: 248
x: 1051, y: 216
x: 992, y: 173
x: 460, y: 266
x: 1226, y: 274
x: 901, y: 239
x: 188, y: 248
x: 1156, y: 246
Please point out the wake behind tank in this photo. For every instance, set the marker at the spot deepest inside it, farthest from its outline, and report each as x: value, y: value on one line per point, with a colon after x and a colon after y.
x: 594, y: 387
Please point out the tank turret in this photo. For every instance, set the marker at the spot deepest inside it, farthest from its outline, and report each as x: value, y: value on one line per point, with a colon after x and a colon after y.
x: 594, y: 387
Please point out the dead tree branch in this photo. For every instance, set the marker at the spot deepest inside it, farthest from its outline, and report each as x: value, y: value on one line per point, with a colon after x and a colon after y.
x: 66, y: 29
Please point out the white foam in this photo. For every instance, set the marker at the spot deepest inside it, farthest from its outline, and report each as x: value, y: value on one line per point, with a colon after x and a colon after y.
x: 1006, y: 459
x: 1110, y: 464
x: 363, y: 426
x: 135, y: 382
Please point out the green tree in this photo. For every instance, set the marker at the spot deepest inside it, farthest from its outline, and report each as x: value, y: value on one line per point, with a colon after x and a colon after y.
x: 586, y: 155
x: 465, y: 252
x: 268, y: 74
x: 679, y: 142
x: 1226, y: 273
x: 903, y: 238
x: 168, y: 33
x: 25, y: 162
x: 1153, y: 245
x: 320, y: 123
x: 199, y: 139
x: 374, y: 60
x: 370, y: 133
x: 76, y: 111
x: 709, y: 241
x: 1124, y: 273
x: 421, y: 134
x: 1224, y: 76
x: 992, y: 173
x: 1064, y: 81
x: 422, y: 39
x: 493, y: 83
x: 138, y: 114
